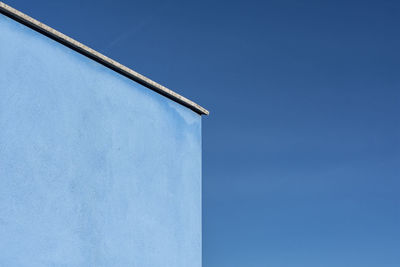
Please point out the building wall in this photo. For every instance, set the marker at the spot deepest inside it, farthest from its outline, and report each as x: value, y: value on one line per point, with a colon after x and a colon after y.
x: 95, y: 169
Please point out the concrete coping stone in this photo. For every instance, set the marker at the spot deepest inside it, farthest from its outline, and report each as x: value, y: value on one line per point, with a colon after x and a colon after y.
x: 102, y: 59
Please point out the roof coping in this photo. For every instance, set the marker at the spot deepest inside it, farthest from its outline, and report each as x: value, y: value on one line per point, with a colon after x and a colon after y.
x: 102, y: 59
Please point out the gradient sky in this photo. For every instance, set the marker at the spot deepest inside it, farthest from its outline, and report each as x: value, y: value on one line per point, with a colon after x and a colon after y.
x: 301, y: 151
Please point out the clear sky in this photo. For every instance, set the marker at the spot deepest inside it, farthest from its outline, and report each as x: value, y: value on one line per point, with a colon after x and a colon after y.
x: 301, y: 152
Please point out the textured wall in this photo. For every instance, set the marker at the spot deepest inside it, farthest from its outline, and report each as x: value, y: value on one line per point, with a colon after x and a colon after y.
x: 95, y: 170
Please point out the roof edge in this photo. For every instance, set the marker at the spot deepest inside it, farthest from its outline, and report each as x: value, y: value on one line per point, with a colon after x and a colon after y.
x: 102, y: 59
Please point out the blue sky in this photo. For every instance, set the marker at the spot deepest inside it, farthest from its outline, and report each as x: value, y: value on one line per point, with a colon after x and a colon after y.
x: 301, y: 151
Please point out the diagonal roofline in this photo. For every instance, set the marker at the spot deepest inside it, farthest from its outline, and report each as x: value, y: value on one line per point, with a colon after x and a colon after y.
x: 102, y: 59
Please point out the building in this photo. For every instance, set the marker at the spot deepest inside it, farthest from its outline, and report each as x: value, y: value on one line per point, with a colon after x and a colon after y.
x: 99, y: 165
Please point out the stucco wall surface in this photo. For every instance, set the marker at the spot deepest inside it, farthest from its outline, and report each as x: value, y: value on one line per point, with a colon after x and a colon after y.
x: 95, y: 169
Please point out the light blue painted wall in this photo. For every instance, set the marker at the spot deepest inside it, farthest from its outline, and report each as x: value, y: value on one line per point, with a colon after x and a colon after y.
x: 95, y: 169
